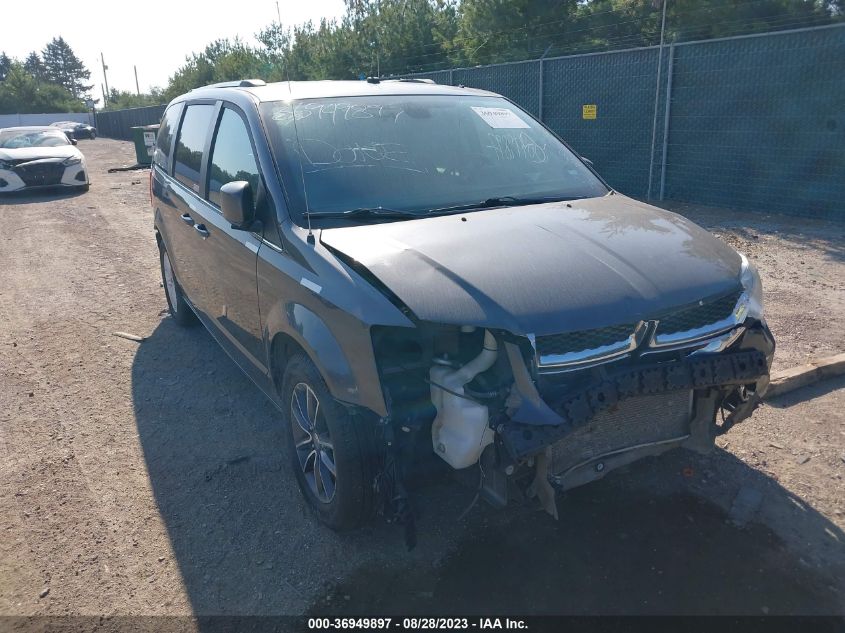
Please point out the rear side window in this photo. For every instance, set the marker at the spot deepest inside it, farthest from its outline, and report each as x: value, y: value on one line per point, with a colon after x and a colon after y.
x: 164, y: 140
x: 231, y: 156
x: 190, y: 144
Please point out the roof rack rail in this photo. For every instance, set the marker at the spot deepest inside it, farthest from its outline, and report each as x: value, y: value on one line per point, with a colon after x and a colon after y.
x: 412, y: 80
x: 238, y: 83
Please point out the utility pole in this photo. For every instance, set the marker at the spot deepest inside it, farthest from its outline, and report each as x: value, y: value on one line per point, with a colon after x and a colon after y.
x: 656, y: 96
x: 105, y: 99
x: 278, y: 13
x: 137, y: 89
x: 374, y: 46
x: 105, y: 76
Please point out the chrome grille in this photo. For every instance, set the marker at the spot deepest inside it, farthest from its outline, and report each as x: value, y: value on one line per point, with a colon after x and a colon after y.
x: 632, y: 422
x: 699, y: 316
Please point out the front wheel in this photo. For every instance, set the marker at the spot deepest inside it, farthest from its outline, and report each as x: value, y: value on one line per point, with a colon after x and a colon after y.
x: 331, y: 451
x: 179, y: 309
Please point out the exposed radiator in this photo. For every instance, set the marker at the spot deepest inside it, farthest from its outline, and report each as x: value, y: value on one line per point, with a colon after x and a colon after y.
x: 632, y: 422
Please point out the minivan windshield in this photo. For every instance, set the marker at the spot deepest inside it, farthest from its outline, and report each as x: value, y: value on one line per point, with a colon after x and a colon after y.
x: 402, y: 155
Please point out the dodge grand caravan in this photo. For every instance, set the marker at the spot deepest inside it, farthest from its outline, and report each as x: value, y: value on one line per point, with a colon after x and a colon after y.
x: 398, y: 264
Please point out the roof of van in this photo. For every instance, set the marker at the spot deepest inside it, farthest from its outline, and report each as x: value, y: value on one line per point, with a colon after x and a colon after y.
x: 285, y: 90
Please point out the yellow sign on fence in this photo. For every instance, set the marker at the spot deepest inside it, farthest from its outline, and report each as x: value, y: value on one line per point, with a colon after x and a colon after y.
x: 588, y: 111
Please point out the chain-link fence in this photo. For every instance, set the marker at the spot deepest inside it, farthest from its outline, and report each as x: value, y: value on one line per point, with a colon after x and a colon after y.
x: 754, y: 122
x: 759, y: 122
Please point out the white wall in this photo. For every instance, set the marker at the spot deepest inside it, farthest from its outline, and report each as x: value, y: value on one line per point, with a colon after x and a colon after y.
x: 15, y: 120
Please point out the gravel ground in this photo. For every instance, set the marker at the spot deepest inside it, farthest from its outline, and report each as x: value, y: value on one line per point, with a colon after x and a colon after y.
x: 144, y: 478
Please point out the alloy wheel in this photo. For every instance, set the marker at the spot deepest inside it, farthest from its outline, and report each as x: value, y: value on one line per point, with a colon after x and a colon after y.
x: 313, y: 444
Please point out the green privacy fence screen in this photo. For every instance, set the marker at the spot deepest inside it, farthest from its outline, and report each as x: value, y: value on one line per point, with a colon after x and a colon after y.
x: 119, y: 123
x: 750, y: 122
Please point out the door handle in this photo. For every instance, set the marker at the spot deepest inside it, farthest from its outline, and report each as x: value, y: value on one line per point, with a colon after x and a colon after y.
x: 187, y: 219
x: 200, y: 228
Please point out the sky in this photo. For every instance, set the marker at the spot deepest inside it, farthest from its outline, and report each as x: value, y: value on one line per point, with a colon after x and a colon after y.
x: 156, y: 40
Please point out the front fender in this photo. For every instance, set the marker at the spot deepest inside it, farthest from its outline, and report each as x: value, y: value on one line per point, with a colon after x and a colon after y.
x: 349, y: 370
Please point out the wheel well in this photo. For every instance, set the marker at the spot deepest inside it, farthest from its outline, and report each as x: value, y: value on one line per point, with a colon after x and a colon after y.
x: 282, y: 349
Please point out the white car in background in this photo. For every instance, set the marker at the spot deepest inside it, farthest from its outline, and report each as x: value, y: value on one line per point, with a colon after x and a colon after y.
x: 36, y: 157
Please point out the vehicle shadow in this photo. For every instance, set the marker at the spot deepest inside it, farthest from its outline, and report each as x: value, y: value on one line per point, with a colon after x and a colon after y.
x: 642, y: 541
x: 792, y: 398
x: 14, y: 198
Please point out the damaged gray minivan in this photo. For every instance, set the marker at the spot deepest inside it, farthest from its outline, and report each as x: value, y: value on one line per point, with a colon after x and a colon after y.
x: 399, y: 264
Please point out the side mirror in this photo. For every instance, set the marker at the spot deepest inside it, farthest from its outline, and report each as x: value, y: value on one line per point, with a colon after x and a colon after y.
x: 236, y: 203
x: 73, y: 141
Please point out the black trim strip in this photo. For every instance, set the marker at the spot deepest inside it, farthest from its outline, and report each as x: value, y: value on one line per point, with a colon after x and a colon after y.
x: 577, y: 409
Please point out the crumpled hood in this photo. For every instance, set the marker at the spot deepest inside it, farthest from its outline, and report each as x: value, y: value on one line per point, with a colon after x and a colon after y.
x: 546, y: 268
x: 35, y: 153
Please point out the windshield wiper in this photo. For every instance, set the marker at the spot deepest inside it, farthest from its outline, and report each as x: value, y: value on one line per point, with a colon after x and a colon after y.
x: 385, y: 212
x: 500, y: 201
x: 364, y: 212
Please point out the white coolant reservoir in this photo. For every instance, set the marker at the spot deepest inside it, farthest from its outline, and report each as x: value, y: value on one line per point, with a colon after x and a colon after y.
x: 461, y: 429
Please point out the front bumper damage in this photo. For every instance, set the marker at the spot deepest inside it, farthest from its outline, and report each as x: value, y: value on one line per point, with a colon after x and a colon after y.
x: 554, y: 431
x: 527, y: 433
x: 42, y: 173
x: 621, y: 413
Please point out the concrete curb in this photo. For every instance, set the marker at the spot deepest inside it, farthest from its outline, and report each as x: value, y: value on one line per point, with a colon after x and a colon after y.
x: 793, y: 378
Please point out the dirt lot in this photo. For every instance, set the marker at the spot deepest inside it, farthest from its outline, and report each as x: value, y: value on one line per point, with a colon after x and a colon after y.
x: 145, y: 478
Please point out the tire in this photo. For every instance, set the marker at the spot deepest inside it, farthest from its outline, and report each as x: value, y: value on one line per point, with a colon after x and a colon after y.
x: 179, y: 309
x: 346, y: 499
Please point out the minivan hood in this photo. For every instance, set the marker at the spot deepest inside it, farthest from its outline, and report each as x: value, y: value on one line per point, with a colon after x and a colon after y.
x: 547, y: 268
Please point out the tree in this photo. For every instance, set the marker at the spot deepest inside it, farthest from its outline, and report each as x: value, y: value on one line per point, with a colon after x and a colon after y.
x: 35, y: 67
x: 222, y: 60
x: 63, y: 67
x: 502, y: 30
x: 20, y: 92
x: 404, y: 36
x: 374, y: 36
x: 631, y: 23
x: 5, y: 64
x: 122, y: 99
